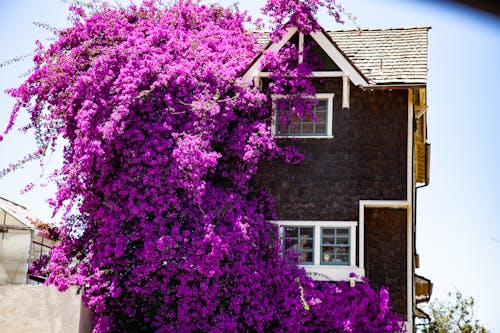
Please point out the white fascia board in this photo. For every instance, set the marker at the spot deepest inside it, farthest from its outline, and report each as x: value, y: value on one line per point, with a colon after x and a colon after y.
x: 338, y: 58
x: 254, y: 70
x: 383, y: 203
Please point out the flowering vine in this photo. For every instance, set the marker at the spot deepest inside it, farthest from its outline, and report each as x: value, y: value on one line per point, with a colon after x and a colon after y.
x: 163, y: 139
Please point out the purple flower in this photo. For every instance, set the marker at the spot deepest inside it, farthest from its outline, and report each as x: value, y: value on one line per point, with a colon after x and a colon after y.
x: 163, y: 225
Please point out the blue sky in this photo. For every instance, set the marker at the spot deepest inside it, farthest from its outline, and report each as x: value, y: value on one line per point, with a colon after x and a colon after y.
x: 458, y: 233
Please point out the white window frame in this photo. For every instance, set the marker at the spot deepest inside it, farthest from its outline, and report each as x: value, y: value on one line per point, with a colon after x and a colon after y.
x: 327, y: 272
x: 329, y: 117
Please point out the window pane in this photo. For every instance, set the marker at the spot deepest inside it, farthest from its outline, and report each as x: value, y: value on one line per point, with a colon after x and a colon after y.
x: 306, y: 244
x: 328, y: 254
x: 282, y: 127
x: 342, y: 241
x: 341, y: 250
x: 306, y: 232
x: 322, y: 105
x: 342, y: 231
x: 294, y: 128
x: 306, y: 257
x: 320, y: 117
x: 291, y: 231
x: 300, y: 240
x: 291, y: 243
x: 328, y: 241
x: 342, y: 259
x: 308, y: 128
x: 328, y: 231
x: 320, y: 128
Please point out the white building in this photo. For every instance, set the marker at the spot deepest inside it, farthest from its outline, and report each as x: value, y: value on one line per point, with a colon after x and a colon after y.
x: 20, y: 243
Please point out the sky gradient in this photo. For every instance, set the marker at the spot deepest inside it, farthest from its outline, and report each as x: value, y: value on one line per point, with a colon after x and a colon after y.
x: 458, y: 224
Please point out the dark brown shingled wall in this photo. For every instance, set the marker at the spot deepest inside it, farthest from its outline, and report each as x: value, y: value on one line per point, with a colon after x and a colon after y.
x: 366, y: 159
x: 385, y: 252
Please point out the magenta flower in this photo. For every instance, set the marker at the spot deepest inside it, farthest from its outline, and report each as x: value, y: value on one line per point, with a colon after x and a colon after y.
x: 163, y: 224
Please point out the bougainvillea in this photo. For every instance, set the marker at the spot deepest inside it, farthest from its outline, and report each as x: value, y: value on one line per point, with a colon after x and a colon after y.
x: 163, y: 227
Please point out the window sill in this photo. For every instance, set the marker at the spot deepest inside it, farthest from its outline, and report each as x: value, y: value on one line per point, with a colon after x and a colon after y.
x: 332, y: 273
x: 304, y: 136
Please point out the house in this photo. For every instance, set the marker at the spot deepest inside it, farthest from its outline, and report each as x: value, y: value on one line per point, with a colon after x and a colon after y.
x: 350, y: 206
x: 21, y: 242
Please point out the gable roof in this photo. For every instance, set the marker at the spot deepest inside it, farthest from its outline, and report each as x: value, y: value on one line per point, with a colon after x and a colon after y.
x: 382, y: 56
x: 323, y: 40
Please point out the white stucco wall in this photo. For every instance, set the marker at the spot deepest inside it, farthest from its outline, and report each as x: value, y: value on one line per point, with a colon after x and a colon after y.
x: 40, y: 309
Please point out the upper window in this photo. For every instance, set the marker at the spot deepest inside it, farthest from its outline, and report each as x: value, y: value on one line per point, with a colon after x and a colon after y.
x: 316, y: 125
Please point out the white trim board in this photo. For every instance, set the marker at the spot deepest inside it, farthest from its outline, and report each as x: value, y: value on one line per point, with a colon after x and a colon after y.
x: 403, y: 204
x: 275, y: 47
x: 373, y: 204
x: 330, y: 49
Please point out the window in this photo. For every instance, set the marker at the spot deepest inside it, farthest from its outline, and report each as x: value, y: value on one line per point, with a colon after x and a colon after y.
x: 300, y: 239
x: 40, y: 247
x: 335, y: 248
x: 317, y: 125
x: 326, y: 249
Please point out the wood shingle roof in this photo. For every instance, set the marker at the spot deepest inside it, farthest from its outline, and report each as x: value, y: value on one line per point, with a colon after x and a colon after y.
x: 387, y: 56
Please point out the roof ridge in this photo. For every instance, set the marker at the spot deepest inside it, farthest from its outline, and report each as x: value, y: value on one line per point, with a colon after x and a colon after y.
x: 383, y: 29
x: 428, y: 27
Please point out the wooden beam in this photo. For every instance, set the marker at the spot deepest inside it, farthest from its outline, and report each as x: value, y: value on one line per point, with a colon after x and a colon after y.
x: 324, y: 74
x: 346, y: 86
x: 301, y: 47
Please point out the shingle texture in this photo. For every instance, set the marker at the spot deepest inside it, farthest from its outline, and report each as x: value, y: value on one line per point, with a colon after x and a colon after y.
x: 366, y: 159
x: 387, y: 55
x: 384, y: 56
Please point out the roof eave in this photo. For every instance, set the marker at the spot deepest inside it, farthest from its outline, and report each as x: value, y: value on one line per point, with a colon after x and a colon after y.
x: 396, y: 85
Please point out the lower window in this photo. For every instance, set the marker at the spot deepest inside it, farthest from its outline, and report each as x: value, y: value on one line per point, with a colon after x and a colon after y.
x: 326, y: 249
x: 301, y: 240
x: 320, y: 242
x: 335, y: 246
